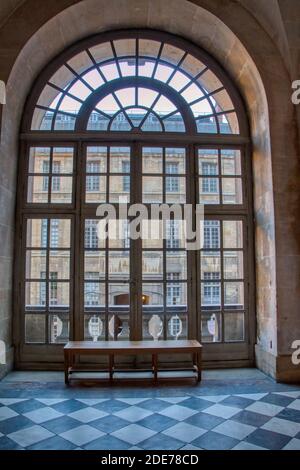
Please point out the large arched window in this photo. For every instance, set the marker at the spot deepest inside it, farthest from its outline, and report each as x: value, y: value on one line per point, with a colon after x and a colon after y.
x: 138, y: 117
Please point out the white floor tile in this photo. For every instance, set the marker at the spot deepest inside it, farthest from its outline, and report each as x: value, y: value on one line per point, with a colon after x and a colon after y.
x: 42, y: 415
x: 29, y: 436
x: 82, y: 435
x: 178, y: 412
x: 234, y: 429
x: 133, y: 434
x: 282, y: 426
x: 86, y: 415
x: 266, y: 409
x: 184, y: 432
x: 222, y: 411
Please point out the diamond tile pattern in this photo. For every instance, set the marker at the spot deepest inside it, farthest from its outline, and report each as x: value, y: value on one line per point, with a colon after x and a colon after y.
x: 254, y: 421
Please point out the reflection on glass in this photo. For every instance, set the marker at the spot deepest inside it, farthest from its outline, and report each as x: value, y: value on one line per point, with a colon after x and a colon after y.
x: 234, y: 327
x: 93, y: 328
x: 59, y: 326
x: 210, y: 264
x: 233, y: 265
x: 94, y: 265
x: 211, y: 291
x: 94, y: 294
x: 152, y: 262
x: 152, y: 160
x: 211, y: 327
x: 118, y: 265
x: 37, y: 191
x: 234, y: 295
x: 176, y: 262
x: 35, y: 331
x: 35, y: 264
x: 152, y: 189
x: 35, y: 295
x: 233, y: 234
x: 231, y: 162
x: 152, y: 297
x: 232, y: 191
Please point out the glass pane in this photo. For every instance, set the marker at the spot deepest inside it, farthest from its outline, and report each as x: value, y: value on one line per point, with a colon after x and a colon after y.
x: 211, y: 327
x: 229, y: 124
x: 94, y: 265
x: 192, y: 65
x: 152, y: 234
x: 152, y: 264
x: 234, y: 326
x: 37, y: 233
x: 121, y: 235
x: 118, y: 326
x: 119, y: 189
x: 174, y: 123
x: 153, y: 297
x: 232, y: 191
x: 42, y: 120
x: 38, y: 189
x: 231, y: 162
x: 59, y: 263
x: 176, y: 295
x: 208, y: 162
x: 94, y: 327
x: 206, y: 125
x: 171, y: 54
x: 35, y: 295
x: 59, y: 328
x: 152, y: 189
x: 60, y: 233
x: 102, y: 52
x: 148, y: 48
x: 233, y: 265
x: 210, y: 265
x: 233, y: 234
x: 36, y: 264
x: 176, y: 265
x: 80, y: 62
x: 211, y: 294
x: 209, y: 191
x: 119, y: 299
x: 152, y: 326
x: 96, y: 159
x: 152, y: 124
x: 39, y: 160
x: 175, y: 234
x: 211, y: 234
x: 97, y: 122
x: 120, y: 160
x: 152, y: 160
x: 94, y: 295
x: 136, y: 116
x: 118, y: 265
x: 62, y: 160
x: 61, y: 190
x: 59, y: 293
x: 95, y: 189
x: 120, y: 123
x: 234, y: 295
x: 64, y: 122
x: 179, y: 81
x: 222, y: 101
x: 91, y: 238
x: 175, y: 160
x: 35, y: 331
x: 175, y: 190
x: 209, y: 81
x: 177, y: 326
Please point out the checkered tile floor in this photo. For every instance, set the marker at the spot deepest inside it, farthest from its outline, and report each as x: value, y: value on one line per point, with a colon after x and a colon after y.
x: 242, y: 421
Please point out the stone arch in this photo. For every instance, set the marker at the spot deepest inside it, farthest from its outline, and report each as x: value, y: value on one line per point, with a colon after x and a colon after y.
x: 264, y: 88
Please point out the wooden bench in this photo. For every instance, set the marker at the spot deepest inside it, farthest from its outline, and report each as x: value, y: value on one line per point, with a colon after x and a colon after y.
x: 112, y: 348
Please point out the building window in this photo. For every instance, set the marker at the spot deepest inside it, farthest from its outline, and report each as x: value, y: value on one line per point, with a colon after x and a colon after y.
x: 126, y: 178
x: 56, y: 179
x: 212, y: 290
x: 172, y: 183
x: 91, y: 234
x: 53, y: 300
x: 93, y: 182
x: 92, y: 290
x: 172, y: 241
x: 46, y: 168
x: 211, y: 234
x: 54, y: 241
x: 209, y: 185
x: 173, y: 289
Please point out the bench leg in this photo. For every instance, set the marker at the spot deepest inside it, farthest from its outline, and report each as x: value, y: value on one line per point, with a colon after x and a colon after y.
x: 67, y: 382
x: 199, y: 366
x: 155, y: 367
x: 111, y: 366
